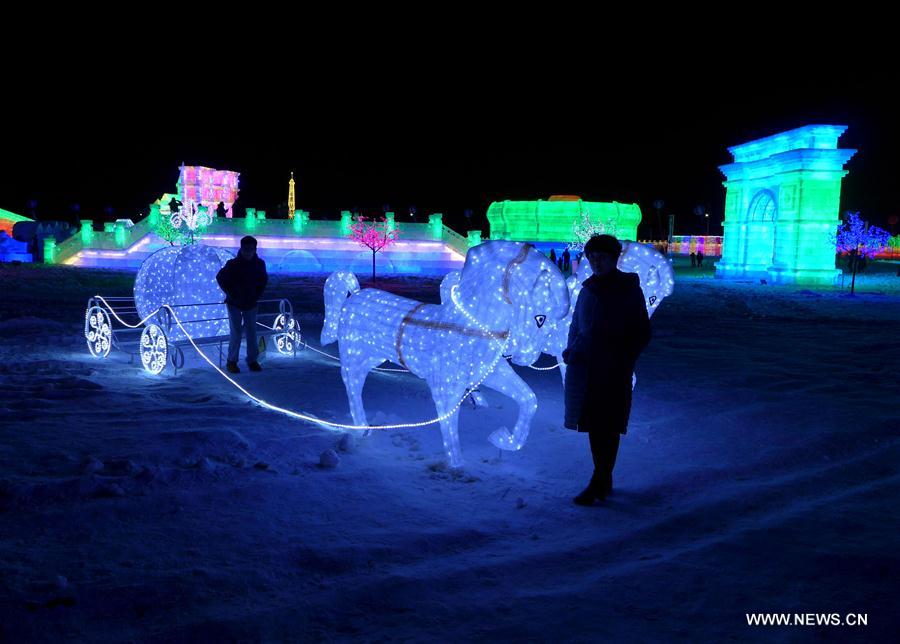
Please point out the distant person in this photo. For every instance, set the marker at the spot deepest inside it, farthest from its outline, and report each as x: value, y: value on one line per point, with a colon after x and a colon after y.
x: 567, y: 261
x: 553, y: 255
x: 221, y: 210
x: 699, y: 259
x: 861, y: 264
x: 610, y: 328
x: 693, y: 259
x: 559, y: 263
x: 243, y: 279
x: 174, y: 205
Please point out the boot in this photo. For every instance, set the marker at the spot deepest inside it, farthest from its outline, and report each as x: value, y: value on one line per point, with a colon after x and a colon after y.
x: 254, y: 366
x: 232, y: 367
x: 587, y: 496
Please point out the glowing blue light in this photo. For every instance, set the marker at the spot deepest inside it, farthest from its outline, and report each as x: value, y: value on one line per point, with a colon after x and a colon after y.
x: 184, y: 275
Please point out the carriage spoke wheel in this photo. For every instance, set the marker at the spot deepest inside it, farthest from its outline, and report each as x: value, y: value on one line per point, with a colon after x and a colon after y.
x: 98, y: 331
x: 288, y: 336
x: 154, y: 348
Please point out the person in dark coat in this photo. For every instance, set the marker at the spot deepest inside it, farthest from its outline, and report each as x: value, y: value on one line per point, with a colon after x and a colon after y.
x: 553, y: 255
x: 610, y: 327
x: 699, y: 259
x: 567, y: 260
x: 243, y: 280
x: 693, y: 259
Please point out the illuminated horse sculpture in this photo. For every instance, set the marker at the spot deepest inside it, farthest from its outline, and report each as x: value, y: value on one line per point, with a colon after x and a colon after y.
x: 653, y: 269
x: 504, y: 304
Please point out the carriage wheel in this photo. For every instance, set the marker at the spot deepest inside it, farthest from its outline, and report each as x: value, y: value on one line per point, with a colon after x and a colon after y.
x: 154, y: 348
x: 98, y: 331
x: 289, y: 333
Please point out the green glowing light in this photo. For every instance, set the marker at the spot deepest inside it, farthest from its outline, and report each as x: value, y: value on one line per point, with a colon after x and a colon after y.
x: 436, y: 222
x: 87, y: 232
x: 300, y: 219
x: 250, y: 220
x: 553, y: 221
x: 49, y: 250
x: 121, y: 235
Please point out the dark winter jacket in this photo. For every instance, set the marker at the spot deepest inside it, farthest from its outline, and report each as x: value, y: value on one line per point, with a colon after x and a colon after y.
x: 610, y: 328
x: 243, y: 281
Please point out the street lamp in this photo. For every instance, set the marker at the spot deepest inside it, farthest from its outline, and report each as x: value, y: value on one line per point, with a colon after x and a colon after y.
x: 707, y: 223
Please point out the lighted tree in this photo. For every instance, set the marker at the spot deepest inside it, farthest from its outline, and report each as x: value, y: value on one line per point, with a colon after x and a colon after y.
x: 375, y: 234
x: 184, y: 225
x: 856, y: 238
x: 167, y: 231
x: 193, y: 218
x: 894, y: 245
x: 584, y: 229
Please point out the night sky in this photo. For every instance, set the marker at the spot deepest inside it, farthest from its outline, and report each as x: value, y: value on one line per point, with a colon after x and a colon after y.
x: 112, y: 148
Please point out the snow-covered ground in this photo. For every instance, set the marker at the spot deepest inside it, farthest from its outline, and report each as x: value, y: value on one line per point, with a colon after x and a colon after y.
x: 759, y: 474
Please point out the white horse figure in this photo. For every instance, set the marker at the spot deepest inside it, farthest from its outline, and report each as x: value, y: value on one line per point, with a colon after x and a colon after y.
x: 505, y: 301
x: 653, y: 269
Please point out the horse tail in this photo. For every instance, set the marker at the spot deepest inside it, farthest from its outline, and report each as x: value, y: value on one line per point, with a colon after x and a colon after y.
x: 338, y: 287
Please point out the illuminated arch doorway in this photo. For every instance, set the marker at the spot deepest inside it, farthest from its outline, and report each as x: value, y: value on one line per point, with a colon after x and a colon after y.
x: 759, y: 240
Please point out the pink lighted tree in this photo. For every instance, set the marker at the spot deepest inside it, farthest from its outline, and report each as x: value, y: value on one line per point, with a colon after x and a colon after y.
x: 374, y: 234
x: 856, y: 239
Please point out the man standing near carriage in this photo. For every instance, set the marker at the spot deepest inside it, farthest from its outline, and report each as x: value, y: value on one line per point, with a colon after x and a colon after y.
x: 610, y: 327
x: 243, y: 280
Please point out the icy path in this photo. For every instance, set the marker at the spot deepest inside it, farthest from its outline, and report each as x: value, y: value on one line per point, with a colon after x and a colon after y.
x: 759, y: 474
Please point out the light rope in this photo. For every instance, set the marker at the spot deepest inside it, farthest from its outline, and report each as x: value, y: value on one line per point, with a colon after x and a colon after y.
x: 307, y: 417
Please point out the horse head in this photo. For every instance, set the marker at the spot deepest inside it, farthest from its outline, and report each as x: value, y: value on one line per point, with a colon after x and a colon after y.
x: 511, y: 287
x: 652, y: 268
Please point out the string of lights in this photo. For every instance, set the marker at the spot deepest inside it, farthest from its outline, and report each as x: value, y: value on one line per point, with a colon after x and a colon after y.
x: 335, y: 358
x: 294, y: 414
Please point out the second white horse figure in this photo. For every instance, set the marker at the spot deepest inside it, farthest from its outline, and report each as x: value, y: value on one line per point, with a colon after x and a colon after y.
x: 507, y: 300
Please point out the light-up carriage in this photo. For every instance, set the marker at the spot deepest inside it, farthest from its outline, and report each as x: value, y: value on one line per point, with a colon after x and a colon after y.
x: 161, y: 337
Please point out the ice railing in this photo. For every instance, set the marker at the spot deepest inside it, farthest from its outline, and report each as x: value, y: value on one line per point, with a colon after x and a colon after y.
x: 128, y: 237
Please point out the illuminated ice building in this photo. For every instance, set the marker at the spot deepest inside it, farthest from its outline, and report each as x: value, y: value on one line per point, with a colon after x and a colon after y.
x: 552, y: 224
x: 295, y: 245
x: 303, y: 245
x: 781, y: 206
x: 202, y: 186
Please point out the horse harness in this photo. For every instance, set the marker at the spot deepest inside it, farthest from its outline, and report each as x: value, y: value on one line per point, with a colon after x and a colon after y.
x: 410, y: 320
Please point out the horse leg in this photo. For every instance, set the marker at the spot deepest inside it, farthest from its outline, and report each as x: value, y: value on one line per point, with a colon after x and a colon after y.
x: 354, y: 373
x: 505, y: 380
x: 449, y: 426
x: 353, y: 382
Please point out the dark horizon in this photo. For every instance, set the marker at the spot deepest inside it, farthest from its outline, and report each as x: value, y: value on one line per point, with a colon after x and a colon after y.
x: 437, y: 157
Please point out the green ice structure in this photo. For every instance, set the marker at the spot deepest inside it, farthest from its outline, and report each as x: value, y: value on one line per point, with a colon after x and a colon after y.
x: 782, y: 202
x: 554, y: 220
